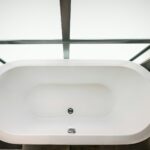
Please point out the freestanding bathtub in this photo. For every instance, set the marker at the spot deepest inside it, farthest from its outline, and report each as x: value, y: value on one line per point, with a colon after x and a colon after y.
x: 74, y: 102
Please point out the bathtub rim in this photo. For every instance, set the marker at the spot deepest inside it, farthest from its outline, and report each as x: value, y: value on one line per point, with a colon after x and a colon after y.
x: 76, y: 63
x: 128, y: 139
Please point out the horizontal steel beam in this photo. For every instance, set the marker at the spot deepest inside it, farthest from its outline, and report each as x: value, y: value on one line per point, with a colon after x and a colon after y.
x: 110, y: 41
x: 78, y: 41
x: 31, y: 42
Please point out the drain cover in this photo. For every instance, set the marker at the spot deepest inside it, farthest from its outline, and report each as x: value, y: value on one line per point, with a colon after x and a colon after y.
x: 70, y: 110
x: 72, y: 130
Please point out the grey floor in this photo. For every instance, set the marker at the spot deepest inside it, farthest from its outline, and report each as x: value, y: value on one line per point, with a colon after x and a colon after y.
x: 145, y: 145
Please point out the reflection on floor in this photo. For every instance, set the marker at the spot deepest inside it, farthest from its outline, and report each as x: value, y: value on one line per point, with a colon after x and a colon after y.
x: 145, y: 145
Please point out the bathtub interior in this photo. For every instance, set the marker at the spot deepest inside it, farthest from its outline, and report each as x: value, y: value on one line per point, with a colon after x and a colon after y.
x: 105, y: 100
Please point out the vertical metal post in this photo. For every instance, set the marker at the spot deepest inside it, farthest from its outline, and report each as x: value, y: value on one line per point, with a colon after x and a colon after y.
x: 66, y: 50
x: 65, y: 9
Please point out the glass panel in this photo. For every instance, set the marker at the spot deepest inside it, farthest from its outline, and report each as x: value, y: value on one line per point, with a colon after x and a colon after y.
x: 105, y: 51
x: 30, y: 19
x: 25, y: 52
x: 102, y: 19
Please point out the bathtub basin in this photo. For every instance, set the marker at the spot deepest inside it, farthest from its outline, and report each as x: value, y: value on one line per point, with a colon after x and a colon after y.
x: 74, y: 102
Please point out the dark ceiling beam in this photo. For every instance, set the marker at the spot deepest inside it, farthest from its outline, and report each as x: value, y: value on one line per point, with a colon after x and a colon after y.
x: 140, y: 53
x: 65, y: 9
x: 66, y: 49
x: 78, y: 41
x: 66, y: 43
x: 110, y: 41
x: 31, y: 42
x: 146, y: 64
x: 2, y: 61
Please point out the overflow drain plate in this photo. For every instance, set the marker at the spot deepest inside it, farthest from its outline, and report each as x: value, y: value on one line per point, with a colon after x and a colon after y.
x: 71, y: 130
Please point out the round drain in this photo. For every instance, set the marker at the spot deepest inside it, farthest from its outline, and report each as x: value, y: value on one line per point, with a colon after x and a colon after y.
x: 70, y: 110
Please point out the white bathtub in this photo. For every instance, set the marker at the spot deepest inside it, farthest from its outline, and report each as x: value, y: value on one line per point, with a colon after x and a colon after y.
x: 74, y: 102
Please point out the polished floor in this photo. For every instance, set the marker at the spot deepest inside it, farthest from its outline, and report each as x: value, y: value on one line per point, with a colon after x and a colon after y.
x: 145, y: 145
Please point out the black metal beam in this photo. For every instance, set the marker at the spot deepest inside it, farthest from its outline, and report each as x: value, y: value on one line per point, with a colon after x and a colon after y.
x: 66, y: 48
x: 2, y: 61
x: 146, y: 64
x: 65, y: 9
x: 66, y: 43
x: 31, y: 42
x: 110, y: 41
x: 140, y: 53
x: 78, y: 41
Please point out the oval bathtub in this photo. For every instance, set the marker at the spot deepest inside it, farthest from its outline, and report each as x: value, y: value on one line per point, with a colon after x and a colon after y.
x: 74, y: 102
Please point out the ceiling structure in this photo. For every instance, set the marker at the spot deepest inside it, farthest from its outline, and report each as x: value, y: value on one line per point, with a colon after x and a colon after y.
x: 146, y: 64
x: 66, y: 41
